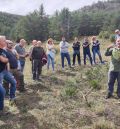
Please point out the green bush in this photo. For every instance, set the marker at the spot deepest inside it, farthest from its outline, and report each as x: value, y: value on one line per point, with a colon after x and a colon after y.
x: 112, y: 38
x: 104, y: 34
x: 70, y: 91
x: 95, y: 84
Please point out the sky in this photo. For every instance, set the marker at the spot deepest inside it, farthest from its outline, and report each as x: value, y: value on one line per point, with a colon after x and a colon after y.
x: 23, y: 7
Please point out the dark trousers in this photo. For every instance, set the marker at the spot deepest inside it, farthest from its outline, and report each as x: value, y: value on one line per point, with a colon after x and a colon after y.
x: 86, y: 52
x: 76, y: 53
x: 96, y: 51
x: 37, y: 68
x: 67, y: 56
x: 112, y: 77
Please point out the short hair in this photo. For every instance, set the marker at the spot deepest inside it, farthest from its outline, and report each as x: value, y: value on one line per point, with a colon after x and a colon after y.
x: 9, y: 41
x: 2, y: 37
x: 22, y: 40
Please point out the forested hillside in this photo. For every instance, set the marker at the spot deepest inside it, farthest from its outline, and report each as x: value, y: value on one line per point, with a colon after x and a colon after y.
x: 7, y: 23
x: 100, y: 18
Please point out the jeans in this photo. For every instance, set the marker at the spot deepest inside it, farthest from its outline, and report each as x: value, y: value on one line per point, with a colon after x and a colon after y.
x: 67, y: 56
x: 112, y: 77
x: 2, y: 94
x: 76, y: 53
x: 85, y: 53
x: 7, y: 76
x: 19, y: 77
x: 50, y: 59
x: 96, y: 51
x: 22, y: 62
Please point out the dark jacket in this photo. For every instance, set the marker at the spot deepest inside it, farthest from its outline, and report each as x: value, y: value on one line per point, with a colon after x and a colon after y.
x: 76, y: 46
x: 37, y: 53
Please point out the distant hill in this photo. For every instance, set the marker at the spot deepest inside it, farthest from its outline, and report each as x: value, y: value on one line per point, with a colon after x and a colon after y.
x: 7, y: 22
x: 103, y: 16
x: 106, y: 6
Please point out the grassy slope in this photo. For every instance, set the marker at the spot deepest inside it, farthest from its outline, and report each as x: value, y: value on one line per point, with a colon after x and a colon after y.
x: 57, y: 102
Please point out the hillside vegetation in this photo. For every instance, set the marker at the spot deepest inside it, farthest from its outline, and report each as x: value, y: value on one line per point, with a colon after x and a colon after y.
x: 69, y: 99
x: 101, y: 17
x: 7, y: 23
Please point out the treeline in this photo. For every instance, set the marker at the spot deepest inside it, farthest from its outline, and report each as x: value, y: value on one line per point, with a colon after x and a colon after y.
x: 100, y: 18
x: 7, y: 23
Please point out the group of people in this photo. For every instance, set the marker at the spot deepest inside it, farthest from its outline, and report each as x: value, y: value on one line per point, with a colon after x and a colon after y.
x: 64, y: 51
x: 13, y: 57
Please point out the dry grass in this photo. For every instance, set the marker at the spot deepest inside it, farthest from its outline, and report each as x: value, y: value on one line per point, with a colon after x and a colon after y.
x: 46, y: 105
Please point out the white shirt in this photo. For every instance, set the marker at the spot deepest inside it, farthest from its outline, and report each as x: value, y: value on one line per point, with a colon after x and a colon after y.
x: 64, y: 47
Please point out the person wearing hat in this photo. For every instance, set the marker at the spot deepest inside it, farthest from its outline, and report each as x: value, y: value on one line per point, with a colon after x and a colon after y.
x: 117, y: 34
x: 13, y: 67
x: 114, y: 70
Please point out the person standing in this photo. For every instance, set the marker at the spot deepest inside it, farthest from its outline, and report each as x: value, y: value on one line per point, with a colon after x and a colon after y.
x: 34, y: 43
x: 86, y: 50
x: 114, y: 70
x: 13, y: 67
x: 64, y: 46
x: 117, y: 34
x: 22, y: 53
x: 76, y: 51
x: 96, y: 49
x: 36, y: 55
x: 5, y: 74
x: 50, y: 53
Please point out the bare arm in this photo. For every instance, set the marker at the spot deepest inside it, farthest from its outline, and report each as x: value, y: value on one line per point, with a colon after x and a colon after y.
x: 3, y: 59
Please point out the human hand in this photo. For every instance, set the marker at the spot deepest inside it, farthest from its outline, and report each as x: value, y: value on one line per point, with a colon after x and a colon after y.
x: 111, y: 46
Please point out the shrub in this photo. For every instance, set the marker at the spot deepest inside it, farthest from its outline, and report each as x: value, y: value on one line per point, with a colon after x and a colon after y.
x: 95, y: 84
x: 70, y: 91
x: 104, y: 34
x: 112, y: 38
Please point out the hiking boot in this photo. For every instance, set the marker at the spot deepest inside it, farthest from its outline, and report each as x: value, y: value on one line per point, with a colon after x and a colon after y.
x: 109, y: 95
x: 12, y: 102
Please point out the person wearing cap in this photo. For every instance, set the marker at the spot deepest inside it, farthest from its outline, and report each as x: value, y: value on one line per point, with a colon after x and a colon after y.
x: 117, y: 34
x: 22, y: 53
x: 64, y: 46
x: 5, y: 74
x: 96, y: 49
x: 114, y: 70
x: 36, y: 55
x: 13, y: 67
